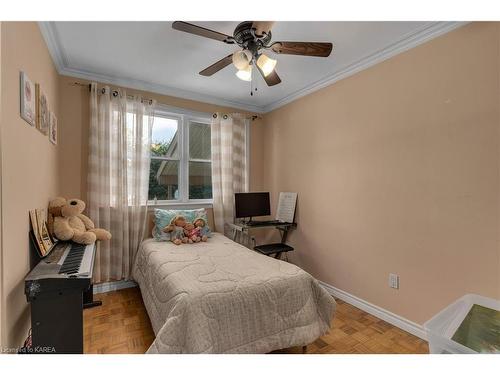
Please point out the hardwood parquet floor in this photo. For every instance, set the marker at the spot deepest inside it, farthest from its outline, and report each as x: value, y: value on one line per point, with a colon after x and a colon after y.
x: 121, y: 325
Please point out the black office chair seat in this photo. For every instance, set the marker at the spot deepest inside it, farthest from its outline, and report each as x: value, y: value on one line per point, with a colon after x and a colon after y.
x: 273, y: 248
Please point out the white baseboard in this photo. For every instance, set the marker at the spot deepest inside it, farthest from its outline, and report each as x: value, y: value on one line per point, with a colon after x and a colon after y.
x: 113, y: 285
x: 379, y: 312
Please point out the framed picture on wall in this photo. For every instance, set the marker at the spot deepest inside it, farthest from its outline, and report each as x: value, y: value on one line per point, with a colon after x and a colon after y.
x: 52, y: 128
x: 42, y: 110
x: 28, y: 100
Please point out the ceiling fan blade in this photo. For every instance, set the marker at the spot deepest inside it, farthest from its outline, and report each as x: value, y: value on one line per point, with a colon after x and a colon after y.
x: 215, y: 67
x: 303, y: 48
x: 272, y: 78
x: 262, y: 27
x: 200, y: 31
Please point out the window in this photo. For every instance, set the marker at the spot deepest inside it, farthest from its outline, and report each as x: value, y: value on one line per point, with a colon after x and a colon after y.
x: 181, y: 168
x: 200, y: 165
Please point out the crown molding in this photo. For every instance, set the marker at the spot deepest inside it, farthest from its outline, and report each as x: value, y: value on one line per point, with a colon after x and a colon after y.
x: 49, y: 33
x: 409, y: 41
x: 159, y: 89
x: 54, y: 45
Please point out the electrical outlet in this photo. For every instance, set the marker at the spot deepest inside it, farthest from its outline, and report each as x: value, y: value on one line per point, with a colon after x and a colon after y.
x: 394, y: 281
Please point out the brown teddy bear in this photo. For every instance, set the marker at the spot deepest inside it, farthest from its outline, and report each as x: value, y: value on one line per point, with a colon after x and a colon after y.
x: 69, y: 223
x: 176, y: 230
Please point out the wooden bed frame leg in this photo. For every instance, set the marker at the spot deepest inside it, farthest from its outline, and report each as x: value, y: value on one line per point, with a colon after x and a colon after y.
x: 304, y: 349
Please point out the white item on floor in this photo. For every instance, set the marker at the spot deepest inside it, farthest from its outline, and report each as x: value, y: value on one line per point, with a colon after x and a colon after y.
x: 442, y: 327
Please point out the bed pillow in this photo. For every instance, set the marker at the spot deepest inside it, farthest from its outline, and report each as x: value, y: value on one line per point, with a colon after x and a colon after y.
x: 162, y: 218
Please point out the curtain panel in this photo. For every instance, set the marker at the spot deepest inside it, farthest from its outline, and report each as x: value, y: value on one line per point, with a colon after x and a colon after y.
x: 230, y: 172
x: 118, y: 175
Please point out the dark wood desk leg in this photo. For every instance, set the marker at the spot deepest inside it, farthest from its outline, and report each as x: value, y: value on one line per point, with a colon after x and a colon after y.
x: 88, y: 298
x: 304, y: 349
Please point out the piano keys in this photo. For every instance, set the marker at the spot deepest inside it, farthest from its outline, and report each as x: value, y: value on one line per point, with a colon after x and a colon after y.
x: 77, y: 260
x: 58, y: 288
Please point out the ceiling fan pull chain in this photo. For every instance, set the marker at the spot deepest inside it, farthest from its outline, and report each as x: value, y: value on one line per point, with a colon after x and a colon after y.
x: 251, y: 82
x: 253, y: 86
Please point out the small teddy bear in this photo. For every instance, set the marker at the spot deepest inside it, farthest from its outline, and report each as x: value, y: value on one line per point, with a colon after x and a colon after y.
x: 176, y: 230
x: 202, y: 228
x: 67, y: 222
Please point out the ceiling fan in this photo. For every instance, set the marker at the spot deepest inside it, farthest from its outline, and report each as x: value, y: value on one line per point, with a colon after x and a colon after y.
x: 254, y: 37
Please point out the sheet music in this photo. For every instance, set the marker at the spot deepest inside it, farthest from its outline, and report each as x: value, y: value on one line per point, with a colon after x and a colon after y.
x: 38, y: 224
x: 286, y: 207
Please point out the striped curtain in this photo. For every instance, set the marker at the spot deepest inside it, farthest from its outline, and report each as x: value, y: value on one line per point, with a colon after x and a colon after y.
x: 119, y: 156
x: 229, y: 164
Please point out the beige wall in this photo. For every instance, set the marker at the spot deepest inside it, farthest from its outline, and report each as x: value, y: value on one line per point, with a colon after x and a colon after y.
x: 74, y: 134
x: 29, y: 165
x: 2, y: 314
x: 397, y: 170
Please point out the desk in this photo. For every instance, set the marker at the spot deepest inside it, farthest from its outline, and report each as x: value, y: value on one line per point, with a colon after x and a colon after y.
x: 268, y: 249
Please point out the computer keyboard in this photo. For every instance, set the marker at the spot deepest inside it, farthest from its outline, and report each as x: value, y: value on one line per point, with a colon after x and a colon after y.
x: 264, y: 223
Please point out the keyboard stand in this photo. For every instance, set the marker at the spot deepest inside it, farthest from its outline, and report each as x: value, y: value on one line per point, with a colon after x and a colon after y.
x: 275, y: 249
x: 88, y: 298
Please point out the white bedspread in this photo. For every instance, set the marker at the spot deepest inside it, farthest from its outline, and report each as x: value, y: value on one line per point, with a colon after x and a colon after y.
x: 220, y: 297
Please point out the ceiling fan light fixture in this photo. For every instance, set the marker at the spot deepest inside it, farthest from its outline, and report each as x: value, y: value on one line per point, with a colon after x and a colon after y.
x: 242, y: 59
x: 245, y: 74
x: 253, y: 37
x: 266, y: 64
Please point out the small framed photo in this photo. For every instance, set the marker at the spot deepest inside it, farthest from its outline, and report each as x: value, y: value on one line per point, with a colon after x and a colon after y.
x: 52, y: 128
x: 28, y: 100
x: 42, y: 110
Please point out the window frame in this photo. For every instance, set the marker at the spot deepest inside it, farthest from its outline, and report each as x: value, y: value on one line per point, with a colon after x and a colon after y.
x: 183, y: 118
x: 198, y: 122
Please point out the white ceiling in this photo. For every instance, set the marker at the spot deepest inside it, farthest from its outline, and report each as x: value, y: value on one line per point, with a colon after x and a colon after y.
x: 152, y: 56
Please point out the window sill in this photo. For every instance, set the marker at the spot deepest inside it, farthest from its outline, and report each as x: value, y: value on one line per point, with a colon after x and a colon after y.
x: 177, y: 204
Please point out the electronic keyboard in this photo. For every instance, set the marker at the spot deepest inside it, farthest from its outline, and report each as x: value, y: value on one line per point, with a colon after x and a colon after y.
x: 68, y: 263
x: 77, y: 260
x: 58, y: 288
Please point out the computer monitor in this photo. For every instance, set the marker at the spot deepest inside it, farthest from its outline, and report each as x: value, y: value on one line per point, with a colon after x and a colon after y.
x: 251, y: 204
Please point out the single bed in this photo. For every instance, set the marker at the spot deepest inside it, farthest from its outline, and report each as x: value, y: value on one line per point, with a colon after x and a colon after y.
x: 221, y: 297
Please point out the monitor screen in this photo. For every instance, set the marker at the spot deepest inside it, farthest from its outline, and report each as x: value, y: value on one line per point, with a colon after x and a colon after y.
x: 251, y: 204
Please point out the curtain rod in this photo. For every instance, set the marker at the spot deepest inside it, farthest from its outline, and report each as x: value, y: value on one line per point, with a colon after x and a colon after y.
x: 76, y: 83
x: 88, y: 85
x: 249, y: 117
